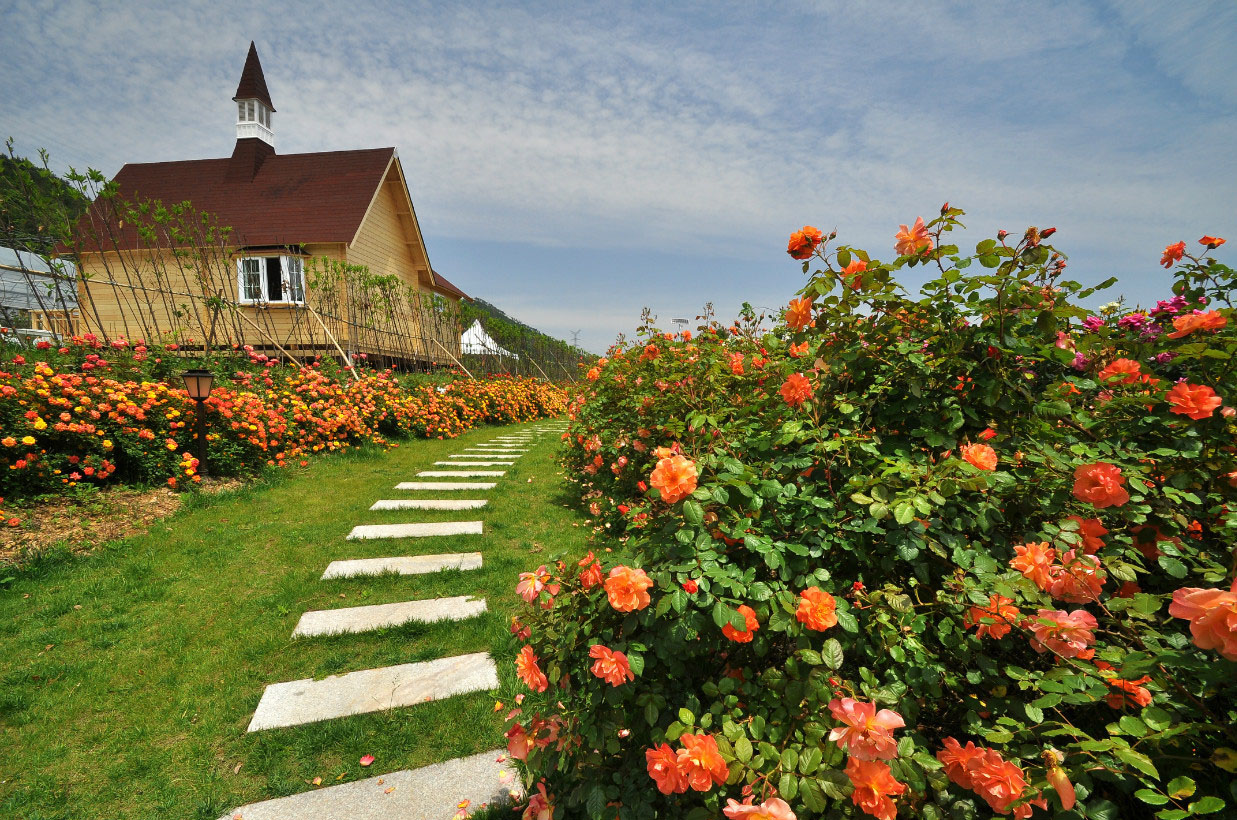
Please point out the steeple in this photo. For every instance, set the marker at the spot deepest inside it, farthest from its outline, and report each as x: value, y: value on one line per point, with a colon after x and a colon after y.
x: 253, y: 103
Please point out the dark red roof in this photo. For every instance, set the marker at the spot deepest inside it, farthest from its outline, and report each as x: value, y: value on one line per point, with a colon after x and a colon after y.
x: 253, y: 83
x: 443, y: 284
x: 292, y: 199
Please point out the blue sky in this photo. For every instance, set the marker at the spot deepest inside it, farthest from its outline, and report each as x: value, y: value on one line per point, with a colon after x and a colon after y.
x: 573, y: 162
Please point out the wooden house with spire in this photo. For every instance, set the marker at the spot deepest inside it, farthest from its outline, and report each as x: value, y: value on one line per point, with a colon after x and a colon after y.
x: 322, y: 253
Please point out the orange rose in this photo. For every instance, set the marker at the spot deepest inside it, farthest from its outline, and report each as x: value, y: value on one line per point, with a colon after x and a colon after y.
x: 980, y: 456
x: 675, y: 478
x: 913, y: 241
x: 528, y: 671
x: 736, y: 364
x: 1035, y: 561
x: 798, y: 350
x: 1100, y: 484
x: 1212, y: 614
x: 1198, y: 401
x: 1187, y: 324
x: 874, y: 783
x: 1172, y: 254
x: 1126, y: 370
x: 610, y: 666
x: 626, y: 589
x: 995, y: 619
x: 1211, y: 241
x: 663, y: 766
x: 852, y: 274
x: 799, y: 314
x: 803, y: 242
x: 796, y: 389
x: 817, y: 609
x: 701, y: 762
x: 1090, y: 530
x: 750, y: 624
x: 594, y: 374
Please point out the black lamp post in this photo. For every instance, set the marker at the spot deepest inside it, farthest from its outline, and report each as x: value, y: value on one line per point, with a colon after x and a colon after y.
x: 198, y: 384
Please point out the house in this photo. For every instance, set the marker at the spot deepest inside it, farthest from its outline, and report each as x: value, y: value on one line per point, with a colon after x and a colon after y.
x: 297, y: 254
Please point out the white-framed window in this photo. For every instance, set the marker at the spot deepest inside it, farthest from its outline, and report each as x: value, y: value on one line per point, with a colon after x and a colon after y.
x: 270, y: 280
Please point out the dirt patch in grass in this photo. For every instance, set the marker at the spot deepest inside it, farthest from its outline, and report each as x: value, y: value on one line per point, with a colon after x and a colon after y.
x: 84, y: 523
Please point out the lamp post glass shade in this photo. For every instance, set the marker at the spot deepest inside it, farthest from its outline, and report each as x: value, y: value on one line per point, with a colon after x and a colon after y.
x: 198, y: 383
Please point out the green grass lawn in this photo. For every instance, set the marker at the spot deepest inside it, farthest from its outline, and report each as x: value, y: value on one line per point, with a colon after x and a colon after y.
x: 127, y: 678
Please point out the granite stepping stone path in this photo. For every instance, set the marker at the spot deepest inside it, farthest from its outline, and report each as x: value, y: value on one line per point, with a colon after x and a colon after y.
x: 366, y: 618
x: 372, y: 690
x: 428, y: 504
x: 402, y: 565
x: 428, y: 793
x: 432, y: 792
x: 415, y: 530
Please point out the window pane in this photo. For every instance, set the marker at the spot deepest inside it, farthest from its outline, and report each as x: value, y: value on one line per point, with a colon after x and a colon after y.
x: 296, y: 279
x: 251, y: 280
x: 240, y: 110
x: 274, y: 279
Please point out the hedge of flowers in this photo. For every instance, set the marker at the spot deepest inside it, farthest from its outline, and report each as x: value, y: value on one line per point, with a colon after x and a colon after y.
x: 89, y: 413
x: 964, y: 553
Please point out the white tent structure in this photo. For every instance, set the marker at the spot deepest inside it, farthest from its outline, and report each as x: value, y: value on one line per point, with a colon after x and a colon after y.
x: 477, y: 342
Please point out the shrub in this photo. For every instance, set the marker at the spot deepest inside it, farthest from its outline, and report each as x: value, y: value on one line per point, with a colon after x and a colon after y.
x: 950, y: 555
x: 84, y: 414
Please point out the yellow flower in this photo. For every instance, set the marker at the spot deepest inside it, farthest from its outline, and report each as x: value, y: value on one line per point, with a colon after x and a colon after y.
x: 39, y: 424
x: 29, y: 440
x: 107, y: 444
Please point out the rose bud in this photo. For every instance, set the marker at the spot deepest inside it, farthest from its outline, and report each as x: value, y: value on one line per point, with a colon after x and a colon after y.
x: 1047, y: 232
x: 1000, y: 235
x: 944, y: 208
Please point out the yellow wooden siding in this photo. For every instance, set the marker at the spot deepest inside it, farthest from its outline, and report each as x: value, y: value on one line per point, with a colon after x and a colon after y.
x: 381, y: 244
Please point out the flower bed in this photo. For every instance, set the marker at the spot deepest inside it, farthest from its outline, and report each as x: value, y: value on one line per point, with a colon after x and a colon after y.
x: 955, y: 555
x: 89, y: 414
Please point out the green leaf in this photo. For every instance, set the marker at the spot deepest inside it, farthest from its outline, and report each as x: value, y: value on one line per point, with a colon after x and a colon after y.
x: 788, y: 785
x: 1172, y: 566
x: 813, y: 796
x: 743, y: 749
x: 831, y: 653
x: 904, y: 512
x: 596, y: 803
x: 1207, y: 805
x: 1138, y: 760
x: 650, y: 713
x: 1034, y: 713
x: 1180, y: 787
x: 693, y: 513
x: 686, y: 717
x: 636, y: 662
x: 1132, y: 725
x: 1151, y: 798
x: 1157, y: 718
x: 790, y: 758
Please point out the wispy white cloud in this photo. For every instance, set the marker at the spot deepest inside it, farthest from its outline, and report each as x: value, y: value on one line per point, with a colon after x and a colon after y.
x: 703, y: 129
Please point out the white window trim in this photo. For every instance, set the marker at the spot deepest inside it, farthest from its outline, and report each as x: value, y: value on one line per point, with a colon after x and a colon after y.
x: 286, y: 265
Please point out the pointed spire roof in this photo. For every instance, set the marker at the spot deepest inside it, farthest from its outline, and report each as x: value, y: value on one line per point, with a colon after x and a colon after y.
x: 253, y: 84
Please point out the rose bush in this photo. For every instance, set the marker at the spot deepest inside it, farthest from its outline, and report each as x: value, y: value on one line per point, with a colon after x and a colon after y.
x: 957, y: 554
x: 87, y: 413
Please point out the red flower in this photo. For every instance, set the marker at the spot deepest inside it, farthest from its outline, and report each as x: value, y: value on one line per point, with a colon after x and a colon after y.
x: 750, y: 623
x: 1212, y: 614
x: 528, y: 671
x: 852, y: 274
x: 817, y: 609
x: 980, y: 456
x: 1035, y: 561
x: 1090, y: 530
x: 995, y: 620
x: 1172, y: 254
x: 1100, y: 484
x: 701, y: 762
x: 865, y: 733
x: 799, y: 314
x: 626, y: 589
x: 1120, y: 371
x: 663, y: 767
x: 1190, y: 322
x: 796, y: 390
x: 803, y: 242
x: 1066, y: 633
x: 874, y: 783
x: 1211, y: 241
x: 1197, y: 401
x: 610, y: 666
x: 690, y: 586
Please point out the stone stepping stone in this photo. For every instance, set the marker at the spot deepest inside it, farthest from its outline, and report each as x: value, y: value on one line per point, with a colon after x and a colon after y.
x: 489, y: 454
x: 428, y: 793
x: 461, y: 473
x: 428, y: 504
x: 503, y: 447
x: 366, y: 618
x: 445, y: 485
x: 415, y: 530
x: 474, y: 463
x: 402, y: 565
x: 372, y: 690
